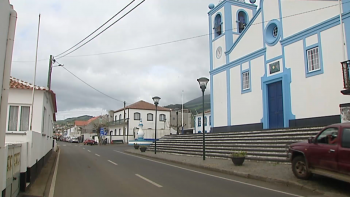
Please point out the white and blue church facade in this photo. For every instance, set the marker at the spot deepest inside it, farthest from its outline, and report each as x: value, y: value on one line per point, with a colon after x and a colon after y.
x: 277, y: 64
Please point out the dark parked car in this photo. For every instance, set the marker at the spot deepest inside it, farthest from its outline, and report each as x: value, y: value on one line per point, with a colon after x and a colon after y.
x: 327, y: 154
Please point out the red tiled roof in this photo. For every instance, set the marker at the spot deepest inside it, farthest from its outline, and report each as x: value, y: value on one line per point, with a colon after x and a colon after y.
x: 145, y: 106
x: 80, y: 123
x: 84, y: 123
x: 19, y: 84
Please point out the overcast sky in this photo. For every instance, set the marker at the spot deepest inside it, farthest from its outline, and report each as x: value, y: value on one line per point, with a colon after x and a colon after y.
x: 129, y: 76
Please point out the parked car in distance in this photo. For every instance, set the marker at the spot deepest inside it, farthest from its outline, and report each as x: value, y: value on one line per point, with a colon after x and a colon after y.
x: 89, y: 142
x: 326, y: 154
x: 74, y: 140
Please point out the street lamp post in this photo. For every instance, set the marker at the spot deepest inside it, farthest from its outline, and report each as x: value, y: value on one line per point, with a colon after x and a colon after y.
x: 156, y: 102
x: 203, y: 84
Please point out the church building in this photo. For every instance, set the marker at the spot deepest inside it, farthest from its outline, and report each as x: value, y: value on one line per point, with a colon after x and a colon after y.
x: 277, y: 64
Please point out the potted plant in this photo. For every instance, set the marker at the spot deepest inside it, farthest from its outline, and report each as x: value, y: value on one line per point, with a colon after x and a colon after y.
x: 136, y: 146
x: 143, y: 148
x: 238, y: 157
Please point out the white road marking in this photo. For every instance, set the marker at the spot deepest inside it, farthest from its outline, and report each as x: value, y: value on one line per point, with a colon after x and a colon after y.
x: 89, y: 150
x: 112, y: 162
x: 64, y: 145
x: 53, y: 182
x: 83, y: 148
x: 97, y: 155
x: 148, y: 180
x: 227, y: 179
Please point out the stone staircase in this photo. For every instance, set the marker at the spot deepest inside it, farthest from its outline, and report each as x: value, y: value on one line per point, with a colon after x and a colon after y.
x: 266, y: 145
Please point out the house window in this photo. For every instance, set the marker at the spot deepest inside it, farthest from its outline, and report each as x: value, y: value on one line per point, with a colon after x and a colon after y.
x: 242, y: 21
x: 115, y: 131
x: 209, y: 120
x: 245, y: 80
x: 199, y: 121
x: 149, y: 117
x: 162, y: 117
x: 18, y: 118
x: 218, y: 25
x: 136, y: 116
x: 313, y: 61
x: 205, y: 121
x: 120, y: 131
x: 120, y: 116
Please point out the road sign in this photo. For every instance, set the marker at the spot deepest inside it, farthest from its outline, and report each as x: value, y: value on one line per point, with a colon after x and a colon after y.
x: 102, y: 131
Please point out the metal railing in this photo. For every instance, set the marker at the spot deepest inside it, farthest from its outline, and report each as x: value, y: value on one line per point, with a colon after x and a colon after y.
x: 117, y: 122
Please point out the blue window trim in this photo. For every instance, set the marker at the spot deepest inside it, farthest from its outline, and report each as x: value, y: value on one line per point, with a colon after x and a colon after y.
x: 215, y: 25
x: 269, y: 39
x: 246, y: 19
x: 306, y: 48
x: 250, y: 79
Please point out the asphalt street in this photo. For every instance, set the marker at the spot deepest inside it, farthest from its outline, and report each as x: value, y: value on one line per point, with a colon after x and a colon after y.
x: 105, y: 170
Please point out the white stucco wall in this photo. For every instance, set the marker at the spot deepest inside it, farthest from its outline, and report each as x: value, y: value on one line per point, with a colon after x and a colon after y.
x: 301, y: 22
x: 134, y: 124
x: 200, y: 128
x: 313, y: 93
x: 220, y: 99
x: 250, y: 42
x: 251, y: 111
x: 271, y: 10
x: 24, y: 97
x: 222, y: 60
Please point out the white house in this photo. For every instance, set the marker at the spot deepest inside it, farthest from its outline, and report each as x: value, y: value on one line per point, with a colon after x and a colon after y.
x: 36, y: 142
x: 199, y: 122
x: 277, y: 66
x: 135, y: 112
x: 8, y: 18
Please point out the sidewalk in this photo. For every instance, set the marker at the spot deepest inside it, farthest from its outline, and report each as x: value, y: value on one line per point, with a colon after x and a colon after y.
x: 41, y: 185
x: 269, y: 172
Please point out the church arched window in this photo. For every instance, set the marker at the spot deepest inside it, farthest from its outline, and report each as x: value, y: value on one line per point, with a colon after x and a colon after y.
x: 218, y: 25
x: 242, y: 20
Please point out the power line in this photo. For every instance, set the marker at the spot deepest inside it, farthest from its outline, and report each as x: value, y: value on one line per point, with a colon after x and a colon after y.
x: 184, y: 39
x: 103, y: 30
x: 97, y: 28
x: 90, y: 85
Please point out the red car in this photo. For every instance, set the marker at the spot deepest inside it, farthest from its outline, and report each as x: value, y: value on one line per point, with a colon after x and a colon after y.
x: 327, y: 154
x: 89, y: 142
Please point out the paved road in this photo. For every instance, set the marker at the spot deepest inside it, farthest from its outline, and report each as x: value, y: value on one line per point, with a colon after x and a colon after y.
x: 100, y: 171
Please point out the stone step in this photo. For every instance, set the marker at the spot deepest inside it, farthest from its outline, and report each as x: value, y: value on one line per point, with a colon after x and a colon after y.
x: 222, y: 148
x: 214, y: 155
x: 233, y: 142
x: 297, y: 137
x: 309, y: 134
x: 225, y: 145
x: 227, y: 153
x: 278, y: 131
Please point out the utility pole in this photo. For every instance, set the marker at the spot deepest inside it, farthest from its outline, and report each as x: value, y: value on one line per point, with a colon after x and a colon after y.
x: 182, y: 113
x: 124, y: 124
x: 177, y: 122
x: 127, y: 136
x: 50, y: 72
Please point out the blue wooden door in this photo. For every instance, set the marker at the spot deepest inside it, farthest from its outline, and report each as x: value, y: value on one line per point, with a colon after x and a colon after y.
x: 275, y: 97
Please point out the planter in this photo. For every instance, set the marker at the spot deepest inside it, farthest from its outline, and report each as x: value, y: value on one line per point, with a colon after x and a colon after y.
x: 143, y: 149
x: 238, y: 161
x: 136, y: 146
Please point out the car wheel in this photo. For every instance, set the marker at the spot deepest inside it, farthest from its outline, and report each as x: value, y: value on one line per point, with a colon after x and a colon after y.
x: 300, y: 168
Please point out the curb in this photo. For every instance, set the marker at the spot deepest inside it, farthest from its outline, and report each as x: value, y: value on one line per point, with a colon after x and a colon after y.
x: 240, y: 174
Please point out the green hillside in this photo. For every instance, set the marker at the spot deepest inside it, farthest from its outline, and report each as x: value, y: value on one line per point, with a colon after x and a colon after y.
x: 195, y: 105
x: 72, y: 120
